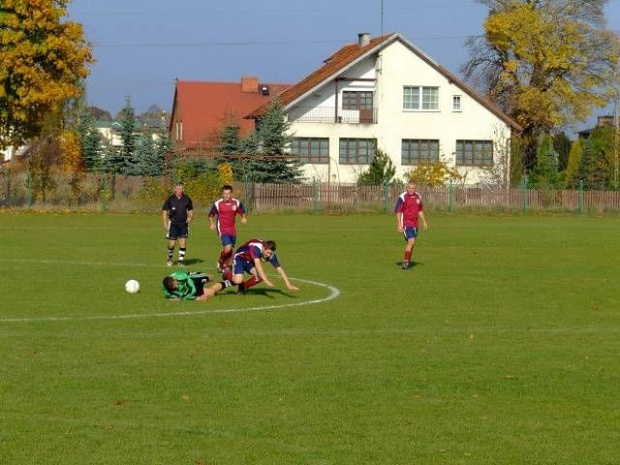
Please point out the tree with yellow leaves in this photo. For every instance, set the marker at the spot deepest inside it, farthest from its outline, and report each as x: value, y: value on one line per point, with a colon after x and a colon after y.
x: 43, y: 59
x: 546, y: 63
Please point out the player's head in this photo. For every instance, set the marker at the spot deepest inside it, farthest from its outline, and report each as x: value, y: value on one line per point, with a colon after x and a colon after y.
x: 178, y: 188
x: 170, y: 284
x: 269, y: 248
x: 227, y: 191
x: 411, y: 187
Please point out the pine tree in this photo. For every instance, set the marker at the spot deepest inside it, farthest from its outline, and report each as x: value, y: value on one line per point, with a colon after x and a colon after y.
x: 545, y: 172
x: 126, y: 157
x: 92, y: 149
x: 231, y: 144
x: 380, y: 169
x: 275, y: 166
x: 150, y: 153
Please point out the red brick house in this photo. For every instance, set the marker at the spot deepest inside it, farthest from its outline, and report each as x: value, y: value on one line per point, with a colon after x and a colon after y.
x: 200, y: 109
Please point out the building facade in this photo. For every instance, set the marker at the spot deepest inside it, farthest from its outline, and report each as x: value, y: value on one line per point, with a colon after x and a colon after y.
x: 386, y: 93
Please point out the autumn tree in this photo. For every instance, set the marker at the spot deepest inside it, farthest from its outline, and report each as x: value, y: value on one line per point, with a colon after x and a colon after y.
x: 546, y: 63
x: 43, y: 59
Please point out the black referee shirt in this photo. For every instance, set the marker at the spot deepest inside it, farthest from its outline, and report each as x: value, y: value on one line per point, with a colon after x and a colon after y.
x: 178, y: 207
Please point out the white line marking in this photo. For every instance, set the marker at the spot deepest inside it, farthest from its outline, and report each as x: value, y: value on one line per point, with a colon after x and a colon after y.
x: 334, y: 292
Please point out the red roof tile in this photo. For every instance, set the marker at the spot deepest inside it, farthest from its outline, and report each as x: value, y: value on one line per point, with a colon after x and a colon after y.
x: 204, y: 107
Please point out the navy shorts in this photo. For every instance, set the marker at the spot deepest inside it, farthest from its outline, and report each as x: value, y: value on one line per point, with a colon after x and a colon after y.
x: 241, y: 266
x: 410, y: 232
x: 200, y: 285
x: 227, y: 239
x: 177, y: 230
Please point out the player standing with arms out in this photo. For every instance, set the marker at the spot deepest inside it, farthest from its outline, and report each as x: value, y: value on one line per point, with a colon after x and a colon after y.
x: 408, y: 209
x: 248, y: 259
x: 177, y: 214
x: 222, y: 217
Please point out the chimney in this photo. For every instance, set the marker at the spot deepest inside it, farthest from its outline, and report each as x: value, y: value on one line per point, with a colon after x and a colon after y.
x: 363, y: 39
x: 605, y: 121
x: 249, y: 85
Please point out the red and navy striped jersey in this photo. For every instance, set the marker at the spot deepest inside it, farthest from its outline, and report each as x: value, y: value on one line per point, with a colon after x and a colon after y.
x: 226, y: 212
x: 410, y: 206
x: 254, y: 249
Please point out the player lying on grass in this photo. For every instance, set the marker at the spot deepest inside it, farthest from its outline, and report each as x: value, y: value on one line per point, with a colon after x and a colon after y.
x: 248, y: 259
x: 190, y: 285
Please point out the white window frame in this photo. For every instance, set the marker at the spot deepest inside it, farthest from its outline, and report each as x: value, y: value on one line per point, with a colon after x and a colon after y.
x: 455, y: 108
x: 418, y: 106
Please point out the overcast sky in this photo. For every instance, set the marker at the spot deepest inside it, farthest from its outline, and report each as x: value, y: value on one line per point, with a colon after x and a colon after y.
x: 141, y: 46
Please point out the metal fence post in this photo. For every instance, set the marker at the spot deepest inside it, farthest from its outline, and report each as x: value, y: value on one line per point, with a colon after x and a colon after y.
x: 29, y: 191
x: 385, y: 195
x: 245, y: 192
x: 580, y: 197
x: 451, y: 207
x: 315, y: 196
x: 104, y: 192
x: 525, y: 195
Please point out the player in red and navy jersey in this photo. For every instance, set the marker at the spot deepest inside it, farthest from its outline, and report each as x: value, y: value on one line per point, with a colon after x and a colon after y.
x: 248, y: 259
x: 222, y: 216
x: 408, y: 209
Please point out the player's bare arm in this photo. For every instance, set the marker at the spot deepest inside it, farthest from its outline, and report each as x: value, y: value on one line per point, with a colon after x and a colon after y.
x: 164, y: 214
x: 211, y: 223
x: 284, y: 277
x: 424, y: 223
x: 190, y: 215
x: 261, y: 272
x: 244, y: 218
x: 399, y: 222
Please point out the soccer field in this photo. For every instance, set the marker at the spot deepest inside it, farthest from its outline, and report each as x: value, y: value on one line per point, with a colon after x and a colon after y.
x: 501, y: 346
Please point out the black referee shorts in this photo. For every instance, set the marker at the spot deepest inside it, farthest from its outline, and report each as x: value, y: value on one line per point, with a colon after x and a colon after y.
x: 177, y: 230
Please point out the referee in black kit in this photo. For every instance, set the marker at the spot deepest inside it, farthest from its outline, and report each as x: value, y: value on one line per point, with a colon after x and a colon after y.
x: 177, y: 213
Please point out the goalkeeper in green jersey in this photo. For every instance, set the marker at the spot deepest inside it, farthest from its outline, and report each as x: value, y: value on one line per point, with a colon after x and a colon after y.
x: 190, y: 285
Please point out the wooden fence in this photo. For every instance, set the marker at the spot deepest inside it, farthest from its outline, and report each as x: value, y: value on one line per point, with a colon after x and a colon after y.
x: 320, y: 197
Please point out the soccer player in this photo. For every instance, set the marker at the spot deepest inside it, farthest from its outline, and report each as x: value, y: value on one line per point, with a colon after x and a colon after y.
x: 408, y: 209
x: 184, y: 285
x: 248, y: 259
x: 226, y: 210
x: 177, y: 214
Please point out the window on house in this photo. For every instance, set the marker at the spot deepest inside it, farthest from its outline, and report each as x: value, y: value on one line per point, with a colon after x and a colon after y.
x: 474, y: 153
x: 357, y: 151
x: 356, y: 100
x: 456, y: 103
x: 419, y: 151
x: 420, y: 98
x: 310, y: 149
x: 178, y: 131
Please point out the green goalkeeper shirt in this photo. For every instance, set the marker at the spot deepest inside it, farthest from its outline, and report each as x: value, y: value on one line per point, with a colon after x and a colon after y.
x: 186, y: 289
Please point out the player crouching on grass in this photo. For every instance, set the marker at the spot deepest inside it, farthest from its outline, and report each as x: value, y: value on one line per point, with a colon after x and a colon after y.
x: 408, y: 209
x: 190, y: 285
x: 248, y: 259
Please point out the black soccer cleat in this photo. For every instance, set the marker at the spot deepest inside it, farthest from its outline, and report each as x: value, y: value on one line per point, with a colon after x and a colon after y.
x: 242, y: 290
x: 405, y: 265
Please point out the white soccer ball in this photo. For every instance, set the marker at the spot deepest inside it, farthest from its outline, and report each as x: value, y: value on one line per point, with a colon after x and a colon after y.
x: 132, y: 286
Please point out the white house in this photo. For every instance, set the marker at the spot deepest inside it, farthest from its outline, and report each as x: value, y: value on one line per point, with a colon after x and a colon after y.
x: 387, y: 91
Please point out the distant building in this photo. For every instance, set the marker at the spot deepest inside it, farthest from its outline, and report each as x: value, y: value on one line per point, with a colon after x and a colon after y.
x: 201, y: 108
x: 601, y: 122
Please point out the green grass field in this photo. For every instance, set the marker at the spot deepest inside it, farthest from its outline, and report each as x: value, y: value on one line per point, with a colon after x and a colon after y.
x: 500, y: 347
